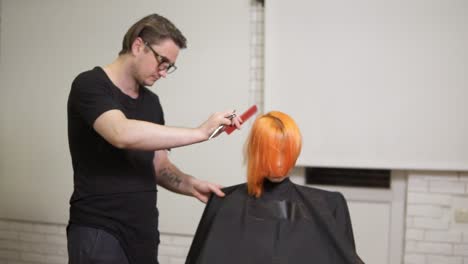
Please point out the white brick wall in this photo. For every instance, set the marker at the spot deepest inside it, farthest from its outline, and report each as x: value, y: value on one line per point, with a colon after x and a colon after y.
x: 431, y: 259
x: 35, y: 243
x: 432, y: 235
x: 174, y: 248
x: 31, y: 243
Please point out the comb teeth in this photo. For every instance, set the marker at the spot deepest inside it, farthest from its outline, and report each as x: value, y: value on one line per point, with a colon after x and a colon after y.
x: 246, y: 115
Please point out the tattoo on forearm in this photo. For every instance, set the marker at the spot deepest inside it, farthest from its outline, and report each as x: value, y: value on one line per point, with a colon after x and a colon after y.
x: 172, y: 178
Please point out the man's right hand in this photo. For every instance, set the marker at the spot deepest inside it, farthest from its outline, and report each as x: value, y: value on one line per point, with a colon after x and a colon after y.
x: 218, y: 119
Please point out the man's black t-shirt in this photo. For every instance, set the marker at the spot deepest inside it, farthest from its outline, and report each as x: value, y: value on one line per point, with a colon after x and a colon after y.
x: 114, y: 189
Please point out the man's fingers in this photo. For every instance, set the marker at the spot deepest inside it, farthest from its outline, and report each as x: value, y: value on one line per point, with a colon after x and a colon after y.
x: 237, y: 121
x: 201, y: 197
x: 216, y: 190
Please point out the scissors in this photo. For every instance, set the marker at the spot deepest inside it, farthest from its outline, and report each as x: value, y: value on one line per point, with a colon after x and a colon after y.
x: 220, y: 129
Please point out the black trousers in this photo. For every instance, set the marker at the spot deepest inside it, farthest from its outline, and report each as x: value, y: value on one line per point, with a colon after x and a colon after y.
x: 88, y: 245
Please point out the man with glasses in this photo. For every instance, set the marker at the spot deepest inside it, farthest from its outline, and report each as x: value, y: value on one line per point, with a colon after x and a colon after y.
x: 118, y: 143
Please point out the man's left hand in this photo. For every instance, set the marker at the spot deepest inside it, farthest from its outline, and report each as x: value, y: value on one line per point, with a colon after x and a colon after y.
x: 202, y: 189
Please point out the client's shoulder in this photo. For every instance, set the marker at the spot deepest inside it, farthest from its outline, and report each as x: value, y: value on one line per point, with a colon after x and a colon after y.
x: 317, y: 192
x: 229, y: 190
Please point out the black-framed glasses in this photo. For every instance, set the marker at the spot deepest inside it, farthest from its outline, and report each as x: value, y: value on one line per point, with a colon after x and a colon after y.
x: 164, y: 63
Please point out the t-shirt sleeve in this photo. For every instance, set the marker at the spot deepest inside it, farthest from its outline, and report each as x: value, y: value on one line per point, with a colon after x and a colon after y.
x: 90, y: 98
x: 158, y: 110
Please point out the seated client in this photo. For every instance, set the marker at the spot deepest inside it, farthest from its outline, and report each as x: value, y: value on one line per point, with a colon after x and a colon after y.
x: 269, y: 219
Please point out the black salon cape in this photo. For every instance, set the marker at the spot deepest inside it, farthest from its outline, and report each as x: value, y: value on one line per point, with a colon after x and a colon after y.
x: 289, y: 223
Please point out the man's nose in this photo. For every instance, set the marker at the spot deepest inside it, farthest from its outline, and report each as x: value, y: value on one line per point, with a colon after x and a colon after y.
x: 163, y: 73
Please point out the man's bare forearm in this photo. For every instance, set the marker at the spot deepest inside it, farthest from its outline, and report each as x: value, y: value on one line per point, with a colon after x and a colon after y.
x: 126, y: 133
x: 171, y: 178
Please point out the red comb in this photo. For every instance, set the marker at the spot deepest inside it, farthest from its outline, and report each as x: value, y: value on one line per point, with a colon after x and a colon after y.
x: 246, y: 115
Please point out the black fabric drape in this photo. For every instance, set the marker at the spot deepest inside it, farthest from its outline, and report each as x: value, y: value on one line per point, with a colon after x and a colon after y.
x: 289, y: 223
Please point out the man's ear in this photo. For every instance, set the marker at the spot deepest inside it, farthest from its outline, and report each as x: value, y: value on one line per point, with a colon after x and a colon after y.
x: 137, y: 46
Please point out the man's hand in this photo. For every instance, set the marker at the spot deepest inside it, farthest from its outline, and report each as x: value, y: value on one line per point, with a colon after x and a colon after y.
x: 173, y: 179
x: 220, y: 119
x: 202, y: 189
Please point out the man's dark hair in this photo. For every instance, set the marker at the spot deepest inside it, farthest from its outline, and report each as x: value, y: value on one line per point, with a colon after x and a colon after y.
x: 153, y: 29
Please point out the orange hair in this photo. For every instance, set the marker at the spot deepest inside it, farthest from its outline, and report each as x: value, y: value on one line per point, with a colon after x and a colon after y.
x: 272, y: 149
